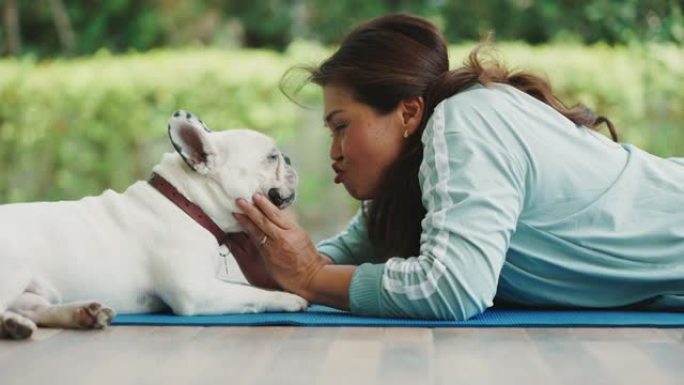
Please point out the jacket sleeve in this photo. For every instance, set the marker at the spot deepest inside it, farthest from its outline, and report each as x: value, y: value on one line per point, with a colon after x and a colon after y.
x: 473, y: 186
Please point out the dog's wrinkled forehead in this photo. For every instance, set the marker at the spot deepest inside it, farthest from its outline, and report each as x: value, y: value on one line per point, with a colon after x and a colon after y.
x: 244, y: 144
x: 208, y: 152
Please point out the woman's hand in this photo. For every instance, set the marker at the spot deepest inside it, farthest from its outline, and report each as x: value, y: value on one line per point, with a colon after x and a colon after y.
x: 248, y: 257
x: 289, y: 256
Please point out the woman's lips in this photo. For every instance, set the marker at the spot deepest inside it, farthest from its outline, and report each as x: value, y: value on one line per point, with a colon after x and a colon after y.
x: 339, y: 174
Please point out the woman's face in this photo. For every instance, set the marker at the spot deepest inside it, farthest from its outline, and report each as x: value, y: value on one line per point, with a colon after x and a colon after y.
x: 364, y: 143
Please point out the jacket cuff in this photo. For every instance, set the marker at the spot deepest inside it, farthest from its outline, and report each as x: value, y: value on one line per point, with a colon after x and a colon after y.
x: 365, y: 290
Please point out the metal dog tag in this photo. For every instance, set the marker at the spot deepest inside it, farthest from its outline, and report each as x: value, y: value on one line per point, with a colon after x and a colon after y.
x: 224, y: 251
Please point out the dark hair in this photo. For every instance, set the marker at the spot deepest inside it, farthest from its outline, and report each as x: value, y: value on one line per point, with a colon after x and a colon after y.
x: 397, y: 56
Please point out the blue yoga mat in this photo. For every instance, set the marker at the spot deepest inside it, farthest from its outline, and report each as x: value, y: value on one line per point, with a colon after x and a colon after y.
x: 324, y: 316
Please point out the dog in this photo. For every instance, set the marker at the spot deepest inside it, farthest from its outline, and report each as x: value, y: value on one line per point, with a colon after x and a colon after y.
x: 69, y: 264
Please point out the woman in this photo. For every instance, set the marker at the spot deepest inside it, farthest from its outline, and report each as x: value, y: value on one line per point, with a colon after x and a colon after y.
x: 477, y: 185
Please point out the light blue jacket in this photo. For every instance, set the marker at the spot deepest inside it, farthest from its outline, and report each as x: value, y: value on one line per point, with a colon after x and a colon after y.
x: 527, y: 207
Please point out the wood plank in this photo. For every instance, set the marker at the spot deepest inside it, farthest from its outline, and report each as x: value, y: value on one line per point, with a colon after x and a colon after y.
x: 346, y: 355
x: 489, y: 356
x: 567, y: 358
x: 676, y: 334
x: 298, y: 360
x: 619, y: 334
x: 627, y: 363
x: 352, y: 357
x: 407, y: 357
x: 81, y: 357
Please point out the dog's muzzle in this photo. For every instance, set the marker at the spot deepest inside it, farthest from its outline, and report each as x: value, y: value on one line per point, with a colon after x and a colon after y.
x: 278, y: 200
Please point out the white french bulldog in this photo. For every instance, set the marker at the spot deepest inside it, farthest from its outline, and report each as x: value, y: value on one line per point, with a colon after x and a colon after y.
x: 68, y: 264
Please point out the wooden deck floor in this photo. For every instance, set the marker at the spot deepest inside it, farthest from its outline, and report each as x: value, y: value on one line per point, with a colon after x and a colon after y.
x: 128, y: 355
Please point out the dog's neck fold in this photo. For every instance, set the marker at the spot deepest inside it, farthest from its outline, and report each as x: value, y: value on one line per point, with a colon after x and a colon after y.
x: 200, y: 190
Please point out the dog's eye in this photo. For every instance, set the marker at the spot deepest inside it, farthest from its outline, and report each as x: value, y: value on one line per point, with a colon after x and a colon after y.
x: 273, y: 157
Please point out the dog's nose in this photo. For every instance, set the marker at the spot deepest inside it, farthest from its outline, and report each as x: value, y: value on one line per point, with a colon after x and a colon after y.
x: 287, y: 160
x: 274, y: 197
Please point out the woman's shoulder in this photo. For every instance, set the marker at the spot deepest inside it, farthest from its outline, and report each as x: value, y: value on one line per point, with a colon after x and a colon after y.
x: 496, y: 106
x: 496, y: 117
x: 493, y: 95
x: 476, y: 106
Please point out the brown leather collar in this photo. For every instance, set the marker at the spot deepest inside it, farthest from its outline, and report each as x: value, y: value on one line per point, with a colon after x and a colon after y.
x: 194, y: 211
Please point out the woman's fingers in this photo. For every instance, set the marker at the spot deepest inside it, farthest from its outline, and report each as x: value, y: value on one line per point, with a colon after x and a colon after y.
x: 238, y: 242
x: 236, y: 237
x: 257, y: 236
x: 271, y: 212
x: 256, y: 223
x: 249, y: 227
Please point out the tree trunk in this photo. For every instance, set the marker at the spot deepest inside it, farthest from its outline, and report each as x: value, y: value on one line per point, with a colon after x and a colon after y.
x: 11, y: 24
x: 63, y: 26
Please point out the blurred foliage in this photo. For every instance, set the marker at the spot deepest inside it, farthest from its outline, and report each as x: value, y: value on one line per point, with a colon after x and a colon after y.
x: 94, y: 120
x: 70, y: 128
x: 122, y: 25
x: 585, y: 21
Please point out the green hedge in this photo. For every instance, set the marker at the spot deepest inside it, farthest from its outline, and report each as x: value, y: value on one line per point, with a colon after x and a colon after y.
x: 69, y: 128
x: 72, y: 127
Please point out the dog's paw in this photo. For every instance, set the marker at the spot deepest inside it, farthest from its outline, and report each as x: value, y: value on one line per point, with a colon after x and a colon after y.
x: 93, y: 315
x: 17, y: 327
x: 287, y: 302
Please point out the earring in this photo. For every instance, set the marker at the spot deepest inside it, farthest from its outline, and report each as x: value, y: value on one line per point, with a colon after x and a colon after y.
x: 405, y: 134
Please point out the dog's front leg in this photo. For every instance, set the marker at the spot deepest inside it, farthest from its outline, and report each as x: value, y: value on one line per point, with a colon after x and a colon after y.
x: 219, y: 297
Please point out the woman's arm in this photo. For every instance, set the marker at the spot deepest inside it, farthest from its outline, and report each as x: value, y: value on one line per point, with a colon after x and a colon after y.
x: 290, y: 257
x: 330, y: 286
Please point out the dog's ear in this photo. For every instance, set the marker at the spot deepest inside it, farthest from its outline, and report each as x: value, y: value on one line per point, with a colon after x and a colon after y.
x: 190, y: 137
